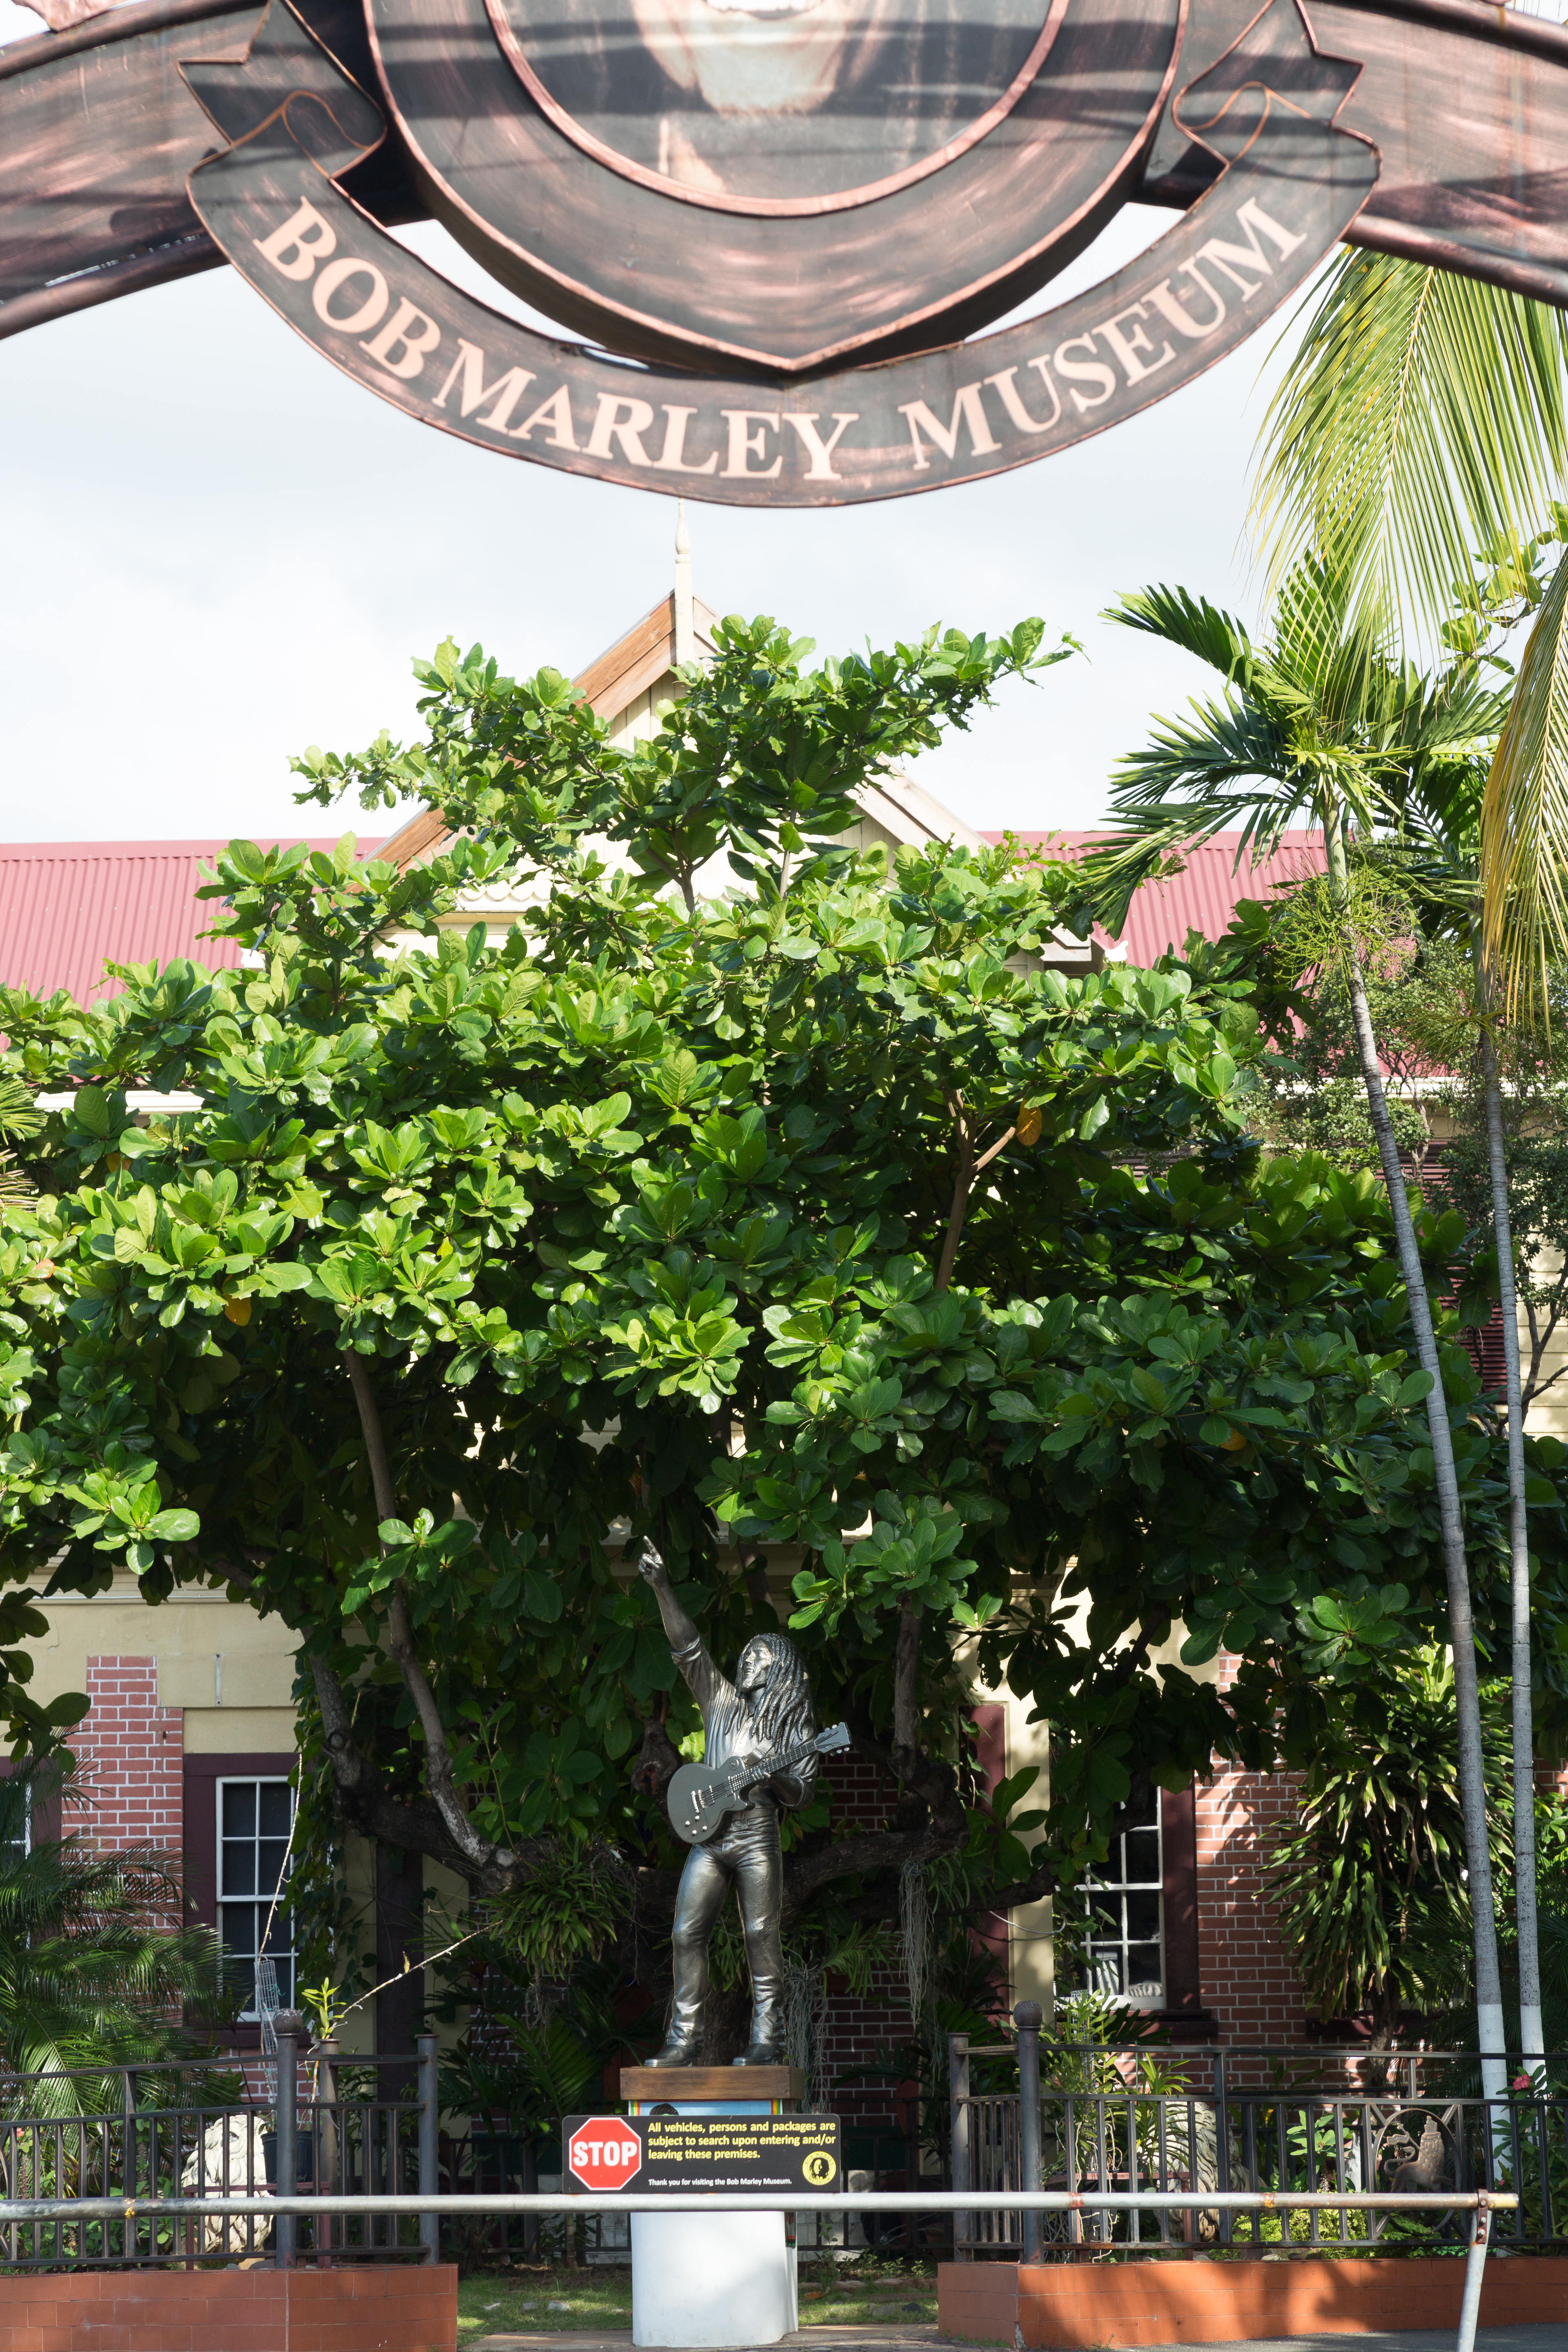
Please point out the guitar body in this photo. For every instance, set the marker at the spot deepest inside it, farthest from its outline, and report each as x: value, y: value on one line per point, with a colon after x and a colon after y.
x: 700, y: 1798
x: 701, y: 1801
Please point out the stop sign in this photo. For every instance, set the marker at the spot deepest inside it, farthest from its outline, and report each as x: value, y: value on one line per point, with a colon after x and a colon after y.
x: 604, y: 2152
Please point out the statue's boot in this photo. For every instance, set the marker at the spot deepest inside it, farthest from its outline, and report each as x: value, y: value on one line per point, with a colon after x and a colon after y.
x: 768, y: 2045
x: 680, y: 2049
x: 683, y: 2041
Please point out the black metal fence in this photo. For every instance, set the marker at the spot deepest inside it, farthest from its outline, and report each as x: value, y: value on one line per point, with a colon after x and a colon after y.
x: 154, y: 2133
x: 1141, y: 2116
x: 1117, y: 2123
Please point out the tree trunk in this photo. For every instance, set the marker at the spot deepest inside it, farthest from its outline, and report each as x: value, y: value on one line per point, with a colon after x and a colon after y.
x: 399, y: 1939
x: 1533, y: 2032
x: 1461, y: 1628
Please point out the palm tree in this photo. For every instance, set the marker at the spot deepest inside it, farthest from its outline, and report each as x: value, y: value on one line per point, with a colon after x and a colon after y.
x: 1436, y: 838
x: 90, y: 1976
x: 1365, y: 1876
x: 1424, y: 418
x: 1323, y: 726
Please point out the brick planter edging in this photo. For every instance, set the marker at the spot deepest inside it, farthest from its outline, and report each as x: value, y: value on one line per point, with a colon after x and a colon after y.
x: 1076, y: 2306
x: 387, y: 2308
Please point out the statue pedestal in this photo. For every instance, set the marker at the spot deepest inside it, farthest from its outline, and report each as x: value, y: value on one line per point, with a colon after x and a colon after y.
x: 711, y: 2279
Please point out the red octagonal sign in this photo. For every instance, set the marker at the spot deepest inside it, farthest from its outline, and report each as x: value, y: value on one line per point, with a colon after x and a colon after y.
x: 604, y: 2152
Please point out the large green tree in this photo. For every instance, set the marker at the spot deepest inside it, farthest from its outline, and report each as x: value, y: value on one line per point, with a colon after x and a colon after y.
x: 819, y: 1223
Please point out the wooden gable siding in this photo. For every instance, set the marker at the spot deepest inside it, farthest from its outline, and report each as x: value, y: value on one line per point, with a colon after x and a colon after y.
x: 614, y: 683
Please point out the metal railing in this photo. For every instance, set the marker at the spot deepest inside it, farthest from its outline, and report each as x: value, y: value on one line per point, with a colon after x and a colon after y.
x: 1038, y: 2203
x: 161, y: 2172
x: 1283, y: 2124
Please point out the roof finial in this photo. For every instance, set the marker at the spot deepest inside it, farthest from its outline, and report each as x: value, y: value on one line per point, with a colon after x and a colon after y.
x: 685, y: 618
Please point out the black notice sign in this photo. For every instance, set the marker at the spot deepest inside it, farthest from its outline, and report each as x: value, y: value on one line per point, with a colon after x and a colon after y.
x: 798, y: 2153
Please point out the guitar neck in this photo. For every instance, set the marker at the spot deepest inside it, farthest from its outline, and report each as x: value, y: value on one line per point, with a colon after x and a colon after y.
x: 778, y: 1759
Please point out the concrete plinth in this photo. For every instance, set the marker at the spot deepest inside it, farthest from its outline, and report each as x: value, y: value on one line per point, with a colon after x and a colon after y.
x: 712, y: 2279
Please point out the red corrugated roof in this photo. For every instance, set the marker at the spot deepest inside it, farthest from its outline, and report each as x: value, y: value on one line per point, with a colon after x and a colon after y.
x: 1202, y: 898
x: 68, y: 907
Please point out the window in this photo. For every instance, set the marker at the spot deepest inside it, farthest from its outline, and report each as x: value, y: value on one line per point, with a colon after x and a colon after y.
x: 16, y: 1821
x: 1124, y: 1943
x: 15, y: 1843
x: 254, y: 1821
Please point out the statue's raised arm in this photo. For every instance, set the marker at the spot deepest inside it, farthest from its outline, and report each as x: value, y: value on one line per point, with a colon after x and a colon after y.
x: 701, y: 1677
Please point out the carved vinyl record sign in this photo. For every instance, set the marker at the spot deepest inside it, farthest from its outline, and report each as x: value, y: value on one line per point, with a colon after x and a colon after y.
x: 785, y: 227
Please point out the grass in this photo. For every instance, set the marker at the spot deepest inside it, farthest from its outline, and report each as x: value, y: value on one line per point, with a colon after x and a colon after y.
x: 519, y: 2300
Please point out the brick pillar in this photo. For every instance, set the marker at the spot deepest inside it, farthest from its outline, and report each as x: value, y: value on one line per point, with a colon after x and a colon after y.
x: 1249, y: 1978
x: 131, y: 1751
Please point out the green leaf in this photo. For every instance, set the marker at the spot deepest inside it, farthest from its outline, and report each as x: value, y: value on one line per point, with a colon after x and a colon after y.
x: 174, y: 1527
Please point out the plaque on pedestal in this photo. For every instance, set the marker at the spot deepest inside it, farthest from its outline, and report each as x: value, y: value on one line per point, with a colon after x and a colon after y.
x: 639, y: 2085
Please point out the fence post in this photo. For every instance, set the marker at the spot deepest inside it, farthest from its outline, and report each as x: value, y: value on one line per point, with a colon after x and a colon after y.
x: 330, y: 2149
x: 1028, y: 2018
x: 128, y: 2169
x: 429, y: 2144
x: 1475, y: 2268
x: 1222, y: 2147
x: 958, y: 2097
x: 289, y: 2025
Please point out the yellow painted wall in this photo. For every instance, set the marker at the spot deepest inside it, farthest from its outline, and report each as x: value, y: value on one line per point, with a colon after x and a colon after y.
x: 252, y: 1709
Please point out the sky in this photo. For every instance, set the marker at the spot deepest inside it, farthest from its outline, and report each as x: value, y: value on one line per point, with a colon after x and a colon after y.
x: 219, y: 551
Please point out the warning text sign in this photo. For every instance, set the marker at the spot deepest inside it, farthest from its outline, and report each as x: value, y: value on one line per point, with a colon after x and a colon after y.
x: 799, y: 2153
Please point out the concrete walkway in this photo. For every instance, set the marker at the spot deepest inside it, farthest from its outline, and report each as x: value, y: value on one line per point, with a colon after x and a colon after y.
x: 917, y: 2337
x: 1538, y: 2337
x: 910, y: 2335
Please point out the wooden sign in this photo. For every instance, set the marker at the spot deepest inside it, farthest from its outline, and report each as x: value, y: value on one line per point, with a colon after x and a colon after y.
x: 786, y: 224
x: 274, y: 203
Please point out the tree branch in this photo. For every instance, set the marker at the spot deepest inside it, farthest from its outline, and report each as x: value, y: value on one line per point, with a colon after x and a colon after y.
x: 999, y: 1146
x: 351, y: 1766
x: 375, y: 1438
x: 961, y: 1190
x: 418, y: 1828
x: 932, y: 1782
x: 969, y: 1167
x: 1041, y: 1882
x: 480, y: 1851
x: 659, y: 1759
x: 906, y: 1669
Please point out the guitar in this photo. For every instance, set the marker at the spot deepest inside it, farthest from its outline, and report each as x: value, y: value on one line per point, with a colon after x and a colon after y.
x: 701, y: 1799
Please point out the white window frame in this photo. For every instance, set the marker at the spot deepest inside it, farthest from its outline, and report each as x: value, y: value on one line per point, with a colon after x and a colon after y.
x: 1143, y: 1998
x: 256, y: 1780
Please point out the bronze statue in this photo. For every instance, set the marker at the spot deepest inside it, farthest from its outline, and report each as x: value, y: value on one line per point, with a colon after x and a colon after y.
x: 766, y: 1710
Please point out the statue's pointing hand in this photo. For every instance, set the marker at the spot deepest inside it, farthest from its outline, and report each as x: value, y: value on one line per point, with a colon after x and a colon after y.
x: 651, y: 1566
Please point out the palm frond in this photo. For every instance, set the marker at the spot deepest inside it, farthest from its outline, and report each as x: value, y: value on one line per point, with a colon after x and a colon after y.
x: 1425, y: 416
x: 19, y: 1117
x: 1524, y: 818
x: 1190, y: 622
x: 1322, y: 652
x: 91, y: 1972
x: 1195, y: 777
x: 19, y: 1113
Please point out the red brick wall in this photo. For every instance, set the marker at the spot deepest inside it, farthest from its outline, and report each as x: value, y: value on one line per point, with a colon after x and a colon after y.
x: 1249, y: 1981
x: 402, y: 2309
x: 862, y: 2026
x: 131, y: 1754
